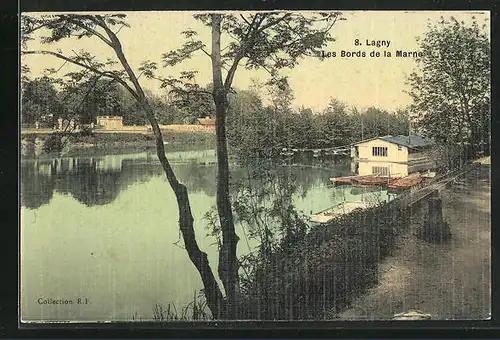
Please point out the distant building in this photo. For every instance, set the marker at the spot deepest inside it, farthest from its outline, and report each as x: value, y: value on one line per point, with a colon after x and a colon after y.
x: 110, y: 122
x: 207, y: 121
x: 393, y: 154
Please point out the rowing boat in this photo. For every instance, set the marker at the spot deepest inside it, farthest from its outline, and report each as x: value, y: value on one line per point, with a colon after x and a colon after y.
x: 406, y: 182
x: 370, y: 181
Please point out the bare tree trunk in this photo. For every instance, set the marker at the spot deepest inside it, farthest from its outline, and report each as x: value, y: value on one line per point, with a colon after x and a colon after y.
x: 213, y: 294
x: 228, y: 264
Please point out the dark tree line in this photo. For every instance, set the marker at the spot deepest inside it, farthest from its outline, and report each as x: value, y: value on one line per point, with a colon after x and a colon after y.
x: 253, y: 128
x: 264, y: 130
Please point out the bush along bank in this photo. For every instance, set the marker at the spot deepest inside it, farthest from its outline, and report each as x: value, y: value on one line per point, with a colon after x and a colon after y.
x: 112, y: 142
x: 321, y: 274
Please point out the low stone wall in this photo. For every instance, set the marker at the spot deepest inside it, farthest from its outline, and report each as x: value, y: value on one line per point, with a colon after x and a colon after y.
x: 137, y: 128
x: 187, y: 128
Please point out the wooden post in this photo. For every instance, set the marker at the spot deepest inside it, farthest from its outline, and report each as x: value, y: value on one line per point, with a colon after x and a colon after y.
x: 435, y: 212
x: 435, y: 229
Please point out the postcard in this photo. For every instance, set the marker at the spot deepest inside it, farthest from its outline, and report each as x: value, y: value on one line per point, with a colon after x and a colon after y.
x: 255, y: 165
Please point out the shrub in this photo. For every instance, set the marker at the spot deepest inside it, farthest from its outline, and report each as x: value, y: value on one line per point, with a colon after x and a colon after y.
x: 86, y: 130
x: 53, y: 143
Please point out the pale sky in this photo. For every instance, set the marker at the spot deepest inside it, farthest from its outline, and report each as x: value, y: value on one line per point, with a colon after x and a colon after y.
x: 361, y: 82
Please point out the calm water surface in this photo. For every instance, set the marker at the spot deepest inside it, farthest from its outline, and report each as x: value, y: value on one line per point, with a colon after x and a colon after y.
x: 104, y: 230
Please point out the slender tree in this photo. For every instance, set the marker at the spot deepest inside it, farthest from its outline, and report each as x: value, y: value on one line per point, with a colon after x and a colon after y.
x: 269, y: 41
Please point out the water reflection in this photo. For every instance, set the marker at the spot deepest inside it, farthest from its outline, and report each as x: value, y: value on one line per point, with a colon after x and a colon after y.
x: 392, y: 169
x: 99, y: 180
x: 104, y: 227
x: 367, y: 168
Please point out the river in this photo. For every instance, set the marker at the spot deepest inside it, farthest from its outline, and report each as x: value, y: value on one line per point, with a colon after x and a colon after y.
x: 100, y: 239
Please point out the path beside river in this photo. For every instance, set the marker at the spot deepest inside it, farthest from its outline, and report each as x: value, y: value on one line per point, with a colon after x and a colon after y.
x: 450, y: 281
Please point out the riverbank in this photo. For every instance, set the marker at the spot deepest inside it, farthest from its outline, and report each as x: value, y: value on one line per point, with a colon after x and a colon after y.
x: 449, y: 281
x: 113, y: 143
x: 328, y: 272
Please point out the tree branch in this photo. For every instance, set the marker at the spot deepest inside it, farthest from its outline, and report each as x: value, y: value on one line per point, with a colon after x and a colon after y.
x: 91, y: 30
x: 61, y: 66
x: 232, y: 71
x: 208, y: 54
x: 118, y: 31
x: 333, y: 22
x: 245, y: 20
x: 191, y: 91
x: 274, y: 22
x: 85, y: 66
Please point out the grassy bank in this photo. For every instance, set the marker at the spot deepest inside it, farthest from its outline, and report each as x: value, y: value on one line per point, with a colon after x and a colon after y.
x: 321, y: 274
x: 119, y: 140
x: 318, y: 276
x: 112, y: 143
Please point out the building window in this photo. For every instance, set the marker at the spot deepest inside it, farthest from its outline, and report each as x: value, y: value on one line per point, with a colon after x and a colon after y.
x: 379, y: 151
x: 400, y: 148
x: 380, y: 170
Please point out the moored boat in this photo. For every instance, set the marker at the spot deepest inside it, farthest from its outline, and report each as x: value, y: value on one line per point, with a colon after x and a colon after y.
x: 337, y: 210
x: 363, y: 181
x: 370, y: 181
x: 347, y: 180
x: 406, y: 182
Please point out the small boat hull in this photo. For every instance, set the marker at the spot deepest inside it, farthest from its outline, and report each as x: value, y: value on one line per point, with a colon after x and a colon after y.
x: 342, y: 180
x: 370, y: 181
x: 406, y: 183
x: 363, y: 181
x: 338, y: 210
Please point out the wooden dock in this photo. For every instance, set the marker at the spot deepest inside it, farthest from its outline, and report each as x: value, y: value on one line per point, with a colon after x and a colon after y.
x: 334, y: 151
x: 341, y: 209
x: 406, y: 198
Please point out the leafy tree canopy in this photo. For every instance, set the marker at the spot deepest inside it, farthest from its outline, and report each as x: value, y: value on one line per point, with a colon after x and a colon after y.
x: 450, y: 87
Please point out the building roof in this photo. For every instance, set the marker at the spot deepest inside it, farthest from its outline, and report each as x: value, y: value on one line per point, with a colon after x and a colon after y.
x: 411, y: 141
x: 369, y: 139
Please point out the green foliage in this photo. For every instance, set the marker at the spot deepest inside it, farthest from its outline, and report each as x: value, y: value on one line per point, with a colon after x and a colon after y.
x: 193, y: 100
x: 249, y: 126
x: 53, y: 143
x: 63, y: 26
x: 39, y: 101
x: 90, y: 98
x: 86, y: 97
x: 85, y: 130
x: 263, y: 203
x: 451, y: 86
x: 255, y: 130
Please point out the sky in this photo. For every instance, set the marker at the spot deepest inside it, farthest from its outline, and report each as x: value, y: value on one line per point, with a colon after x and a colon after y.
x: 361, y: 82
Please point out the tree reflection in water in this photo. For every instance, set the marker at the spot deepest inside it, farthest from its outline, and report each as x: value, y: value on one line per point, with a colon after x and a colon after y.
x: 36, y: 188
x: 272, y: 200
x: 99, y: 180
